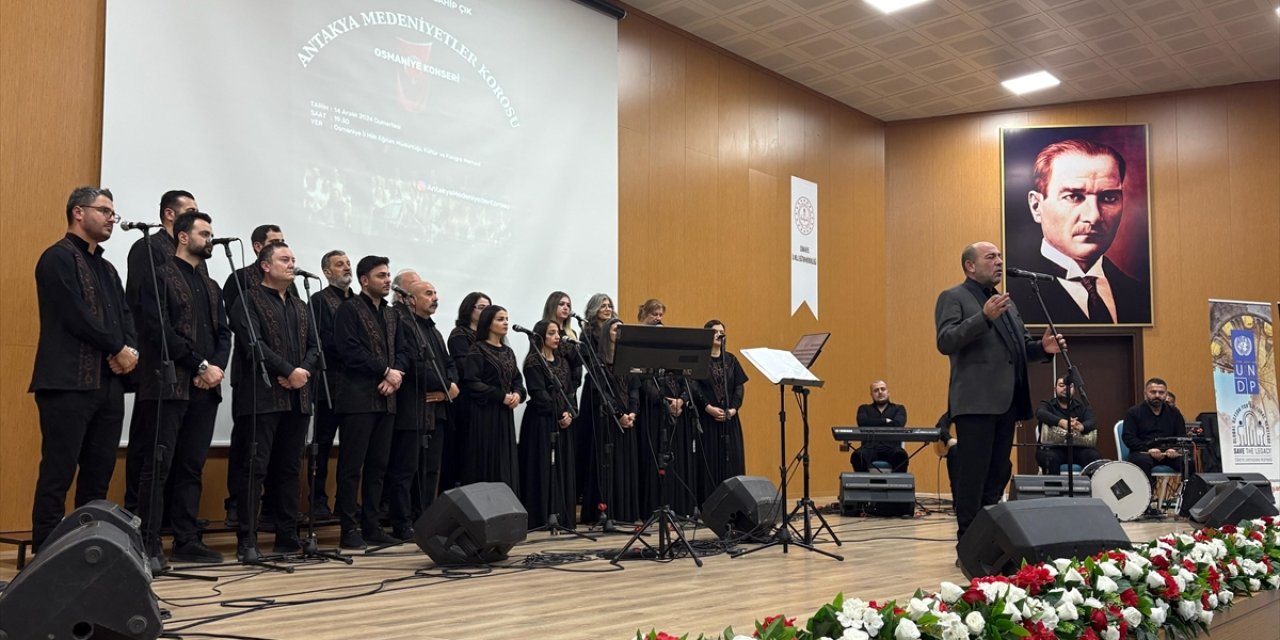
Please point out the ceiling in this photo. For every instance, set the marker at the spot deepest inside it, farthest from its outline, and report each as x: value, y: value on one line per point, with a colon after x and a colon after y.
x: 949, y: 56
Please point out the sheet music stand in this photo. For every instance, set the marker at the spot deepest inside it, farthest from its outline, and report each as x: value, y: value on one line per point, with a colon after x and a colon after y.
x: 674, y: 351
x: 784, y: 369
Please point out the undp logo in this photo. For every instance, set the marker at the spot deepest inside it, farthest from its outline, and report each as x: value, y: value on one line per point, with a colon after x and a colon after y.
x: 1243, y: 345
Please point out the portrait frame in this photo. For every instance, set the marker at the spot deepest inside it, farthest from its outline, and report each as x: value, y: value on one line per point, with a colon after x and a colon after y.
x: 1126, y: 262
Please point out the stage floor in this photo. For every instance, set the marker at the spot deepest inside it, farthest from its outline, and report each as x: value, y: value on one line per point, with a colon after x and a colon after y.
x: 401, y: 594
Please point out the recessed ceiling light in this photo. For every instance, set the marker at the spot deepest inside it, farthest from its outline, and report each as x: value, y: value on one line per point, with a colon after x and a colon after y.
x: 889, y: 6
x: 1031, y: 82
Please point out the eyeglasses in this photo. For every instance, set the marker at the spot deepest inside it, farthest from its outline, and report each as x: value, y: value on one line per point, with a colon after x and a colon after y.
x: 106, y: 211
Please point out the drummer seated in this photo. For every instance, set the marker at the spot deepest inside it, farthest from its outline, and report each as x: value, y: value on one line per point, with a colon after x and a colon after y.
x: 1149, y: 421
x: 1059, y: 416
x: 880, y: 413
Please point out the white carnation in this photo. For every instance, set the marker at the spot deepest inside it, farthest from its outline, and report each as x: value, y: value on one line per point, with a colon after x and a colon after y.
x: 907, y: 630
x: 953, y: 628
x: 975, y: 622
x: 855, y: 634
x: 872, y: 621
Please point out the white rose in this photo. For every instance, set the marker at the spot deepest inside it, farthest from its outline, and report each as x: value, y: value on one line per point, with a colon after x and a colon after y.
x: 1093, y: 603
x: 1052, y: 570
x: 975, y: 622
x: 1274, y: 581
x: 1254, y: 584
x: 1067, y: 611
x: 1016, y: 593
x: 1131, y: 616
x: 1012, y: 612
x: 855, y: 634
x: 1154, y: 580
x: 1110, y: 633
x: 1157, y: 615
x: 916, y: 608
x: 1061, y: 564
x: 1206, y: 617
x: 1073, y: 576
x: 1185, y: 539
x: 1109, y: 569
x: 1106, y: 585
x: 951, y: 592
x: 1188, y: 609
x: 1073, y: 596
x: 1213, y: 601
x: 741, y: 637
x: 1233, y: 570
x: 907, y: 630
x: 990, y: 591
x: 953, y: 628
x: 1225, y: 596
x: 1047, y: 615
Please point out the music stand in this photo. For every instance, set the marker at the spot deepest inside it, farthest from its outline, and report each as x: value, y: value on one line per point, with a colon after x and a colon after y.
x: 785, y: 370
x: 675, y: 351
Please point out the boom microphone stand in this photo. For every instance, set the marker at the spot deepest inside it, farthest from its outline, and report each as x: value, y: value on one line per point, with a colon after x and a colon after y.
x: 608, y: 404
x: 1073, y: 379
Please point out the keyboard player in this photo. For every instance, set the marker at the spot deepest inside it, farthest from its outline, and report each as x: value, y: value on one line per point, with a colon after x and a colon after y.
x: 880, y: 412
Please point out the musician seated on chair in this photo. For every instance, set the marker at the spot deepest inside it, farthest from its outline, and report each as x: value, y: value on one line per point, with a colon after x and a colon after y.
x: 1150, y: 421
x: 1059, y: 416
x: 880, y: 413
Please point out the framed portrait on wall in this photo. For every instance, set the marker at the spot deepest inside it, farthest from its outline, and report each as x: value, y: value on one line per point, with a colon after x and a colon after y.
x: 1077, y: 207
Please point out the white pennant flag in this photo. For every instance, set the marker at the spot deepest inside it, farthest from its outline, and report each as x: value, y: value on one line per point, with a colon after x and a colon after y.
x: 804, y: 244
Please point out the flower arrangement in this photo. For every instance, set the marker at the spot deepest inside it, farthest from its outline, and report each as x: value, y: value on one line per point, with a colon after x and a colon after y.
x: 1173, y: 584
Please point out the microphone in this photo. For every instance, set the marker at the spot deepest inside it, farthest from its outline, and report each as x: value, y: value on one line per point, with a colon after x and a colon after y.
x: 396, y: 288
x: 303, y: 273
x: 1030, y: 275
x: 129, y: 226
x: 516, y: 327
x: 217, y: 241
x: 564, y: 337
x: 578, y: 318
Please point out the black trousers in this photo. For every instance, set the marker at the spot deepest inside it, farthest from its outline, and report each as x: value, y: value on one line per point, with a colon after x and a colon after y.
x: 863, y: 456
x: 79, y: 430
x: 984, y: 444
x: 362, y: 467
x: 953, y: 467
x: 133, y: 461
x: 326, y: 430
x: 186, y: 429
x: 276, y: 464
x: 413, y: 473
x: 1051, y: 459
x: 1146, y: 463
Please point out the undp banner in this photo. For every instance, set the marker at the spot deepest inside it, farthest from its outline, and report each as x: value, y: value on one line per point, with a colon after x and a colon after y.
x: 804, y: 245
x: 1244, y: 381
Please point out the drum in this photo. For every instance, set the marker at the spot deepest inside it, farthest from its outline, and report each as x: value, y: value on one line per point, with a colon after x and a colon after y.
x: 1121, y: 485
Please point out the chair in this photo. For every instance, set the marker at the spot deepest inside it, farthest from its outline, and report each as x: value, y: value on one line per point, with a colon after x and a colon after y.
x: 1165, y: 476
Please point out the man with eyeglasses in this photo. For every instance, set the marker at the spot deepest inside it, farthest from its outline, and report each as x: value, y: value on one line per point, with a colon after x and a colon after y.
x: 86, y: 348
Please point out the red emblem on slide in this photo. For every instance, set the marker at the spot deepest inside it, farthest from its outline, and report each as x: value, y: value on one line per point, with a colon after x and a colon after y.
x: 805, y: 215
x: 412, y: 84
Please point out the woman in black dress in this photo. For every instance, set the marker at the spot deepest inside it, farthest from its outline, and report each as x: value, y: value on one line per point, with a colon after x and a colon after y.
x: 613, y: 475
x: 599, y: 311
x: 559, y: 309
x: 547, y: 484
x: 719, y: 397
x: 494, y: 388
x: 459, y: 344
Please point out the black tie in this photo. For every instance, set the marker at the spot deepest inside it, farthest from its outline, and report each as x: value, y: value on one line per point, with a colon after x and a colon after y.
x: 1097, y: 308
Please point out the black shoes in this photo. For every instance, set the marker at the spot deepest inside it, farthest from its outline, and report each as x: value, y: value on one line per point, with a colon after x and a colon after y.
x: 351, y: 539
x: 378, y: 536
x: 247, y: 550
x: 287, y: 544
x: 195, y: 551
x: 402, y: 533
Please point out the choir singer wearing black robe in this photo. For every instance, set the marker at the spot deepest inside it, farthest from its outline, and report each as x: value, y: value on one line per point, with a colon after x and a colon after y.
x: 545, y: 431
x: 461, y: 338
x: 719, y: 398
x: 613, y: 473
x: 494, y: 387
x: 336, y: 267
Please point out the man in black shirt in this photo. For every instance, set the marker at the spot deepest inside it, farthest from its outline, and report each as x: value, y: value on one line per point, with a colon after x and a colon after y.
x: 880, y: 413
x: 193, y: 322
x: 141, y: 258
x: 418, y: 438
x: 373, y: 362
x: 84, y: 352
x: 278, y: 407
x: 1146, y: 422
x: 336, y: 267
x: 1057, y: 416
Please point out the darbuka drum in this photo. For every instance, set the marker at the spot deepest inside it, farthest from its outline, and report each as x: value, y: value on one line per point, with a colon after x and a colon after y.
x: 1121, y: 485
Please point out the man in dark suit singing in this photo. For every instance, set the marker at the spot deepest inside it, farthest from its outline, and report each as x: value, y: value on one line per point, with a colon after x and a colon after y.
x: 1078, y: 201
x: 980, y: 330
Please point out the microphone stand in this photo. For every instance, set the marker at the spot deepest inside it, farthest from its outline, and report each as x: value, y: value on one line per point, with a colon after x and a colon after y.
x: 169, y: 380
x: 553, y: 526
x: 1073, y: 378
x: 311, y: 545
x: 604, y: 389
x: 260, y: 363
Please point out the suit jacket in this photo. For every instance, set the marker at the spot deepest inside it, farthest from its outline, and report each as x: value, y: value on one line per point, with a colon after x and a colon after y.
x: 988, y: 359
x: 1132, y: 297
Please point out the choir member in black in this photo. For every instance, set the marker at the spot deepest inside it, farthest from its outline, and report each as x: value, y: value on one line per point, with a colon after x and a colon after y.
x: 417, y: 442
x: 599, y: 311
x: 198, y: 336
x: 336, y: 267
x: 613, y: 471
x: 280, y: 407
x: 461, y: 338
x: 163, y: 247
x: 494, y: 389
x: 1148, y: 421
x: 719, y: 398
x: 248, y: 276
x: 651, y: 312
x: 1062, y: 412
x: 880, y: 412
x: 373, y: 360
x: 559, y: 309
x: 667, y: 401
x: 544, y: 432
x: 86, y: 347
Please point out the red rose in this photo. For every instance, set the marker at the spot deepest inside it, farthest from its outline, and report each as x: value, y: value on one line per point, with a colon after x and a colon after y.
x: 662, y: 635
x: 973, y: 596
x: 1229, y: 528
x: 1124, y: 628
x: 1098, y: 619
x: 1129, y: 597
x: 1160, y: 561
x: 1088, y: 634
x: 1215, y: 581
x: 1188, y: 565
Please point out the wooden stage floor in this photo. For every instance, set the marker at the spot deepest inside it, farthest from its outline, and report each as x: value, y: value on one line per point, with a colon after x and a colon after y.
x: 401, y: 594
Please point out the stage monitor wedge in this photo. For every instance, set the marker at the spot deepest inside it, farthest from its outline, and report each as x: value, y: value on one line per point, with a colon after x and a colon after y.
x: 742, y: 505
x: 472, y: 524
x: 1005, y: 534
x: 1231, y: 502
